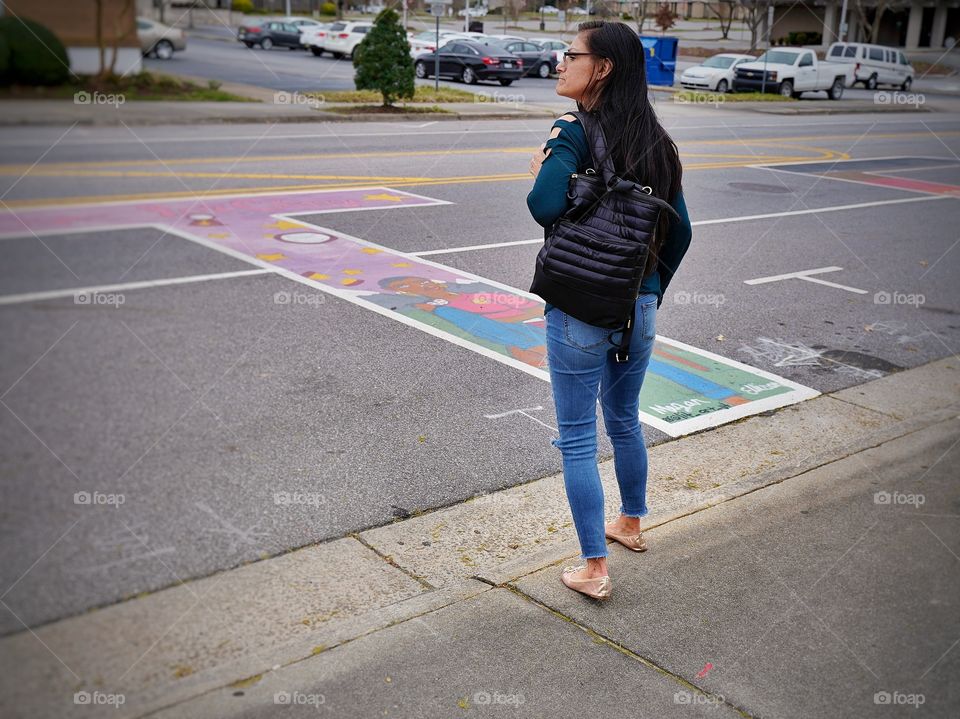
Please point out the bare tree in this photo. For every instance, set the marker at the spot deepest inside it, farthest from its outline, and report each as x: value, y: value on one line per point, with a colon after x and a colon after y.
x: 122, y: 25
x: 872, y: 28
x: 724, y: 12
x: 754, y: 11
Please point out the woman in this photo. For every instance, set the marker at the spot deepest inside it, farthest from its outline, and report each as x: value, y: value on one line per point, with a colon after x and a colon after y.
x: 603, y: 71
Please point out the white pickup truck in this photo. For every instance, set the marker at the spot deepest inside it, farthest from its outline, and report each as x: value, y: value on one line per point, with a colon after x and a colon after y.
x: 792, y: 71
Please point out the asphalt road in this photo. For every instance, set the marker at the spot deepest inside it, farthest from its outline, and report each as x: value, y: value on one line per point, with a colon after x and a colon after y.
x: 198, y: 402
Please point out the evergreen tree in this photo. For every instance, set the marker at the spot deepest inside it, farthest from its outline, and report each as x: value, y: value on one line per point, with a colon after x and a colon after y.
x: 383, y: 60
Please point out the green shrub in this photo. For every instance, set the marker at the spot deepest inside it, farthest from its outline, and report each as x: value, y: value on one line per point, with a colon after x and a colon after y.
x: 244, y: 6
x: 328, y: 8
x: 36, y: 56
x: 383, y: 61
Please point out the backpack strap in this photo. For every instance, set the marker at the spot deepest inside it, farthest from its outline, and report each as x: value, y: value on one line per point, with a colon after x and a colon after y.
x: 598, y: 148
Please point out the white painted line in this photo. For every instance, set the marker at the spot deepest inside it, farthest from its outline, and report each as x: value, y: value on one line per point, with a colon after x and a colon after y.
x: 701, y: 223
x: 833, y: 284
x: 790, y: 275
x: 469, y: 248
x: 805, y: 275
x: 200, y: 199
x: 815, y: 210
x: 123, y: 287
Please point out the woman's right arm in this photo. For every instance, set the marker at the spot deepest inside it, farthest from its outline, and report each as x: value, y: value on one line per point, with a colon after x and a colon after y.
x: 676, y: 244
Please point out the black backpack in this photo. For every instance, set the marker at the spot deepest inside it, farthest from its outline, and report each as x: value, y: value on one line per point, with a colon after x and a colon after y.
x: 592, y: 261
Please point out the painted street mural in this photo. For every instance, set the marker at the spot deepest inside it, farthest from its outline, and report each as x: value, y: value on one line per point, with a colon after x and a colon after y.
x: 686, y: 389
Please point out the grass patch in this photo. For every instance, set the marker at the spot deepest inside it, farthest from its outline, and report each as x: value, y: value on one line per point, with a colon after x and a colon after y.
x: 421, y: 94
x: 389, y: 110
x: 143, y: 86
x: 695, y: 96
x: 930, y: 68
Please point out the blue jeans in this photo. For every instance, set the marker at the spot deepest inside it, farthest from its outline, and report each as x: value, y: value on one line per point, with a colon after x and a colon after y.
x: 582, y: 366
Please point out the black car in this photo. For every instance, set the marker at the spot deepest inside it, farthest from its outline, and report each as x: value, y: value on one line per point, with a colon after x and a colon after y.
x: 470, y: 61
x: 281, y: 34
x: 536, y: 59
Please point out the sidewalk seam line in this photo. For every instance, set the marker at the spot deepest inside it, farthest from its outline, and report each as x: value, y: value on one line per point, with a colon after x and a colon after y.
x: 627, y: 652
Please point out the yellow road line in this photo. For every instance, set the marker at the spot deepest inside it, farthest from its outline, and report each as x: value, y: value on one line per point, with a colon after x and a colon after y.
x: 422, y: 182
x: 20, y: 168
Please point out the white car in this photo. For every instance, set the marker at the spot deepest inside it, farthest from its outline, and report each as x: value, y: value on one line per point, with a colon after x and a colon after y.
x: 479, y: 11
x: 342, y: 37
x: 312, y: 37
x: 576, y: 11
x: 548, y: 10
x: 714, y: 74
x: 426, y: 41
x: 874, y: 64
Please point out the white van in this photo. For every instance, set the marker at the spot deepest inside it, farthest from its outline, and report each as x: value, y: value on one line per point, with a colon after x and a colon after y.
x: 874, y: 64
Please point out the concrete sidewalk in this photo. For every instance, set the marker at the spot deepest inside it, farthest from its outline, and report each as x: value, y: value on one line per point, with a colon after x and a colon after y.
x: 832, y: 594
x: 767, y: 591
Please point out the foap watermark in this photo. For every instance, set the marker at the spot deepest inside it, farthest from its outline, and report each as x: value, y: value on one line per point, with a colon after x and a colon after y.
x: 502, y: 98
x: 896, y: 698
x: 299, y: 698
x: 682, y: 297
x: 298, y: 98
x: 299, y: 298
x: 98, y: 698
x: 899, y: 98
x: 99, y: 298
x: 483, y: 698
x: 898, y: 298
x: 898, y: 498
x: 685, y: 697
x: 98, y: 98
x: 314, y: 499
x: 91, y: 499
x: 700, y: 98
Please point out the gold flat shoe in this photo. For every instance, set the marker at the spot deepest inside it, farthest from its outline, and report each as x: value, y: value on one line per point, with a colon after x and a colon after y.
x: 595, y: 587
x: 636, y: 542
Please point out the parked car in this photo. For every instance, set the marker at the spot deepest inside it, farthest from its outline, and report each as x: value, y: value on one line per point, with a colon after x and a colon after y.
x: 427, y: 41
x: 536, y: 60
x: 715, y: 73
x: 300, y: 22
x: 556, y: 48
x: 270, y: 33
x: 312, y: 37
x: 874, y: 64
x: 791, y: 72
x: 471, y: 61
x: 343, y: 37
x: 548, y: 10
x: 159, y: 39
x: 478, y: 11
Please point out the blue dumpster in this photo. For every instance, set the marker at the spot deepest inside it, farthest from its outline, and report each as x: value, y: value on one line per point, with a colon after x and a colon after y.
x: 660, y: 56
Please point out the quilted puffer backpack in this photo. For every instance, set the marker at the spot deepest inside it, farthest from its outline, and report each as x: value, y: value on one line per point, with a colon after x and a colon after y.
x: 592, y: 261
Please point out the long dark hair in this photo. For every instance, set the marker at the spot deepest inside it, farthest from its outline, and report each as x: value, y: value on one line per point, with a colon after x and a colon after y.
x: 640, y: 148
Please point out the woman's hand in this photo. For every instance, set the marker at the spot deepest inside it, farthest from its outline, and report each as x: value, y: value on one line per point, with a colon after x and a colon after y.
x: 537, y: 160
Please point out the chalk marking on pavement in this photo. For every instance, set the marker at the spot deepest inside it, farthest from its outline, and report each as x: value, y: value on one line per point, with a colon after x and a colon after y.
x: 805, y: 275
x: 123, y: 287
x: 701, y: 223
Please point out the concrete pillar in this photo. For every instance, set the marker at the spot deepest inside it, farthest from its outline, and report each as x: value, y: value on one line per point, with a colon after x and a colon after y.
x: 830, y: 24
x: 939, y: 28
x: 913, y: 26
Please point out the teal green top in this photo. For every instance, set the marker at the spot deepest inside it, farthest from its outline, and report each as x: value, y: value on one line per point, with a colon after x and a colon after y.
x: 547, y: 201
